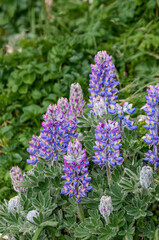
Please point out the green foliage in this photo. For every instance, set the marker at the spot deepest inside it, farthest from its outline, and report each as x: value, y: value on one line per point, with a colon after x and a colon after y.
x: 47, y: 57
x: 41, y: 68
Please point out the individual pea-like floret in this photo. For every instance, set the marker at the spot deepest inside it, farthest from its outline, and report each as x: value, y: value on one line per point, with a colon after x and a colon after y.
x: 14, y: 204
x: 146, y: 176
x: 151, y: 157
x: 106, y: 207
x: 17, y: 177
x: 31, y: 215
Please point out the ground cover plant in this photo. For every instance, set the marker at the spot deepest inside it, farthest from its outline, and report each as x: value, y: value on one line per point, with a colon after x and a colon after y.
x: 47, y: 47
x: 90, y: 179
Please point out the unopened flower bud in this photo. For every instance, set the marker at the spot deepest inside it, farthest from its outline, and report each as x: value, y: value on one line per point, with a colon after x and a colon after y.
x: 14, y: 204
x: 146, y: 176
x: 17, y: 177
x: 76, y: 99
x: 106, y: 207
x: 32, y: 214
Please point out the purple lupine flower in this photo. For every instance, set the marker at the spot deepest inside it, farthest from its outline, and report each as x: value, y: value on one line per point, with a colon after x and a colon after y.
x: 17, y: 177
x: 34, y: 147
x: 107, y: 143
x: 55, y: 135
x: 152, y: 124
x: 76, y: 99
x: 124, y: 119
x: 102, y: 80
x: 76, y: 171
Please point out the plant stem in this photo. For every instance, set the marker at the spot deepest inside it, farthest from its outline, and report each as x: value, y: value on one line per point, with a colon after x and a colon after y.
x: 32, y: 20
x: 80, y: 212
x: 37, y: 233
x: 54, y: 163
x: 79, y: 207
x: 108, y: 173
x: 47, y: 26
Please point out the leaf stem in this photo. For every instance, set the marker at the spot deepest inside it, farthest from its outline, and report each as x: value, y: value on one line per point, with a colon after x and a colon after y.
x: 80, y: 212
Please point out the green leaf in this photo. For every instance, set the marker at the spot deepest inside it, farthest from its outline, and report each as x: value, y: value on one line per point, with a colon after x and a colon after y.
x: 36, y: 94
x: 108, y: 233
x: 29, y: 78
x: 49, y: 224
x: 23, y: 89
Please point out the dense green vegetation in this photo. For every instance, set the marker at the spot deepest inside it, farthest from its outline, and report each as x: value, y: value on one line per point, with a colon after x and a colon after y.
x: 52, y: 47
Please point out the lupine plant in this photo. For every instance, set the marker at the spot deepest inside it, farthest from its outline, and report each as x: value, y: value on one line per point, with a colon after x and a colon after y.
x: 66, y: 195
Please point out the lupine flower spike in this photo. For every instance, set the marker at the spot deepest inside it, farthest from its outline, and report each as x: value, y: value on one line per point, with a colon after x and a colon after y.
x: 107, y: 147
x: 60, y: 123
x: 146, y: 177
x: 58, y: 127
x: 102, y: 80
x: 76, y: 172
x: 106, y: 207
x: 152, y: 123
x: 17, y: 177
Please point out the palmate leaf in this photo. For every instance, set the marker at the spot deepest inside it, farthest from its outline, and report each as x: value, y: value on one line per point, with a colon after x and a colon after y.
x: 117, y: 196
x: 149, y: 230
x: 128, y: 231
x: 90, y: 227
x: 108, y: 233
x: 137, y: 210
x: 128, y: 185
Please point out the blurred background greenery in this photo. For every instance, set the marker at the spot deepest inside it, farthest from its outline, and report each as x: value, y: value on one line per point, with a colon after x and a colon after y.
x: 48, y: 44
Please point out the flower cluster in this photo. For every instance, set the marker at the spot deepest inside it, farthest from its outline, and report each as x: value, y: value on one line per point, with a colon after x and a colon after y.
x: 59, y: 125
x: 106, y: 207
x: 120, y: 110
x: 146, y: 176
x: 76, y: 171
x: 34, y: 146
x: 107, y: 136
x: 152, y: 123
x: 17, y: 177
x: 102, y: 80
